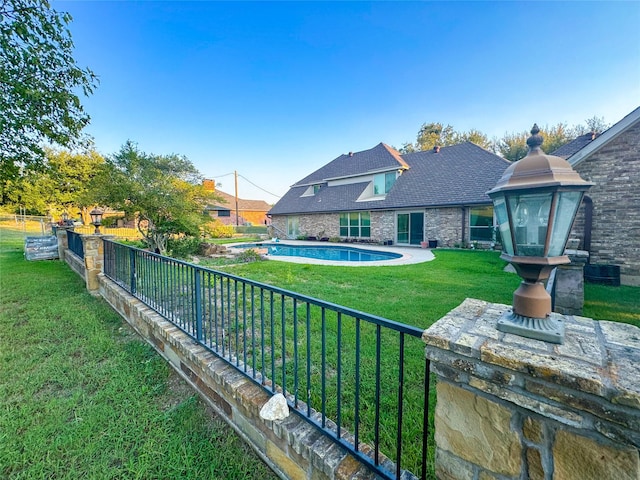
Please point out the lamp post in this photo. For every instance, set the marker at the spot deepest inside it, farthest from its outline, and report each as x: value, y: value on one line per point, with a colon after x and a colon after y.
x: 96, y: 219
x: 535, y: 203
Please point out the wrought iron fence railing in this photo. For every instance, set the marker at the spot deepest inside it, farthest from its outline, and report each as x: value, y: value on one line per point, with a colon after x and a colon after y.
x: 362, y: 380
x: 75, y: 243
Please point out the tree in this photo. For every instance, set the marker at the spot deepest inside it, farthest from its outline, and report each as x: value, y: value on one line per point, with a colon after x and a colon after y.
x: 513, y: 146
x: 594, y: 124
x: 163, y: 192
x: 432, y: 134
x: 39, y: 79
x: 59, y: 186
x: 474, y: 136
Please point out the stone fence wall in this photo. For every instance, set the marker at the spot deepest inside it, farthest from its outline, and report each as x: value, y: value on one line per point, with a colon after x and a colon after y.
x: 291, y: 447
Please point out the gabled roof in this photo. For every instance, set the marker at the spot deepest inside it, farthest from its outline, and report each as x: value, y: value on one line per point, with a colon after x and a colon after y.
x: 229, y: 203
x: 377, y: 158
x: 607, y: 136
x: 456, y: 175
x: 575, y: 145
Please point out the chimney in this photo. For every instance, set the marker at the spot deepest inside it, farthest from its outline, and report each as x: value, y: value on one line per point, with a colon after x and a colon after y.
x: 351, y: 154
x: 209, y: 185
x: 593, y: 135
x: 436, y: 149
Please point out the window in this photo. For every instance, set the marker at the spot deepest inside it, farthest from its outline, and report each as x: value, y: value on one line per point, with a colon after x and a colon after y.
x: 293, y: 227
x: 355, y: 224
x: 311, y: 190
x: 481, y: 224
x: 224, y: 213
x: 383, y: 182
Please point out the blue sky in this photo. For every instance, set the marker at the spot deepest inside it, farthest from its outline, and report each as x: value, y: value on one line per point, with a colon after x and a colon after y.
x: 275, y: 90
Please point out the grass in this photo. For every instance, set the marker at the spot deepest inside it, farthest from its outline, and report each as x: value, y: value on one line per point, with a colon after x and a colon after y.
x: 82, y: 396
x: 422, y: 293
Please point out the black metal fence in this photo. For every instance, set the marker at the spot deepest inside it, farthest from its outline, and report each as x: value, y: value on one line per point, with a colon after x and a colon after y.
x: 75, y: 243
x: 360, y: 379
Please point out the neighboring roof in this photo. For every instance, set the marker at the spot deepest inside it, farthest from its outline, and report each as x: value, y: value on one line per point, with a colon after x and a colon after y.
x: 457, y: 175
x: 229, y: 202
x: 575, y: 145
x: 607, y: 136
x: 377, y: 158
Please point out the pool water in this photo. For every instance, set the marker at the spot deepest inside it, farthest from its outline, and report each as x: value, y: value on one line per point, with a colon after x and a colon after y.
x: 336, y: 253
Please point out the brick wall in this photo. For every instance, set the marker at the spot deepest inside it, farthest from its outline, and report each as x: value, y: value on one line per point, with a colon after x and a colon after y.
x: 615, y: 170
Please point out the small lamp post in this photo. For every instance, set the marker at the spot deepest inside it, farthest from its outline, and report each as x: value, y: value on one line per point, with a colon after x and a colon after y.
x: 96, y: 219
x: 535, y: 203
x: 65, y: 217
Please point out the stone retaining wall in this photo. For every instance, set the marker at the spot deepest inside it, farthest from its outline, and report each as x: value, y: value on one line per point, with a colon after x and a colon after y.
x: 509, y: 407
x: 291, y: 447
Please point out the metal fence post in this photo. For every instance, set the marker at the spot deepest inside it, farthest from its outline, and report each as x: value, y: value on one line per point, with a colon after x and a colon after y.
x: 198, y: 305
x: 132, y: 269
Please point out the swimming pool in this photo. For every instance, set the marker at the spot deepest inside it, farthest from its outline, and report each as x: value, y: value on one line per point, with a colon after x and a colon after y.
x: 332, y: 253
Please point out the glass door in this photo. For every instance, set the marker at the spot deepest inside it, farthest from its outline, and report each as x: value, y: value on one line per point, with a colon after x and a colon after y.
x: 410, y: 228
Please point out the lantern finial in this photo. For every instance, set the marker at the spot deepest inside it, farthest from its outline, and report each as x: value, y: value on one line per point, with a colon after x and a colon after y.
x: 535, y: 140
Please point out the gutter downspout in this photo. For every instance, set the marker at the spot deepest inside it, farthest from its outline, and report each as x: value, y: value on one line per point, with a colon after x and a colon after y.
x: 588, y: 224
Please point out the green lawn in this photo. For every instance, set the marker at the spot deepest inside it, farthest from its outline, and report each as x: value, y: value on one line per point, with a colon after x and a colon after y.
x: 82, y: 396
x: 422, y: 293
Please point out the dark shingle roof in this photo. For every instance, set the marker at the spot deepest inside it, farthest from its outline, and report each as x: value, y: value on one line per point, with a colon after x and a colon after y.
x: 379, y: 157
x: 568, y: 149
x: 457, y: 175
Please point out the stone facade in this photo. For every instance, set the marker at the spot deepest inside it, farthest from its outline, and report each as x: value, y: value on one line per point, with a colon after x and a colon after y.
x: 442, y: 224
x: 512, y: 408
x: 615, y: 170
x: 445, y: 225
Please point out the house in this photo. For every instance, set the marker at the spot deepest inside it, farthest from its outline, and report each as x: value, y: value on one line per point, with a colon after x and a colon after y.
x: 608, y: 222
x: 378, y: 195
x: 249, y: 212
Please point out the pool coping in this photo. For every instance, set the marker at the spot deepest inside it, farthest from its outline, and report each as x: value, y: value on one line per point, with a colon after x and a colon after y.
x: 410, y: 255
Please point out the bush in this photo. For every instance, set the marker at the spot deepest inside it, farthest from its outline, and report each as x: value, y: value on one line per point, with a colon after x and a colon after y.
x: 183, y: 247
x: 220, y: 230
x: 248, y: 256
x: 108, y: 222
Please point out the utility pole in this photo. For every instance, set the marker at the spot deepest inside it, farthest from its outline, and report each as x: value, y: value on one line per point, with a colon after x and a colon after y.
x: 235, y: 173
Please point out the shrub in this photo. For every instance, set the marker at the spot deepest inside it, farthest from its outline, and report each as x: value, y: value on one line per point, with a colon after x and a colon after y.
x: 220, y: 230
x: 248, y: 256
x: 335, y: 239
x: 183, y: 247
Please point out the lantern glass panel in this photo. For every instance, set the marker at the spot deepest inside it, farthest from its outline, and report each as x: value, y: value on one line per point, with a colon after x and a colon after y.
x: 530, y: 214
x: 500, y: 208
x: 568, y: 203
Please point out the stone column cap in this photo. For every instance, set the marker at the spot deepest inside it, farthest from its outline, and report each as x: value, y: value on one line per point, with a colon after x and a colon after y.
x: 598, y: 357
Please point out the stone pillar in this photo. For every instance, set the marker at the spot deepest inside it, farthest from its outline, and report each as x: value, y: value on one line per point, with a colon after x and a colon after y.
x: 63, y: 240
x: 93, y: 261
x: 512, y: 408
x: 569, y: 284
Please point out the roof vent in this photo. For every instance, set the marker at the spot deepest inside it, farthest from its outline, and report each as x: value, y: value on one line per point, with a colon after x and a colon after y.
x: 436, y: 149
x: 351, y: 154
x: 593, y: 135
